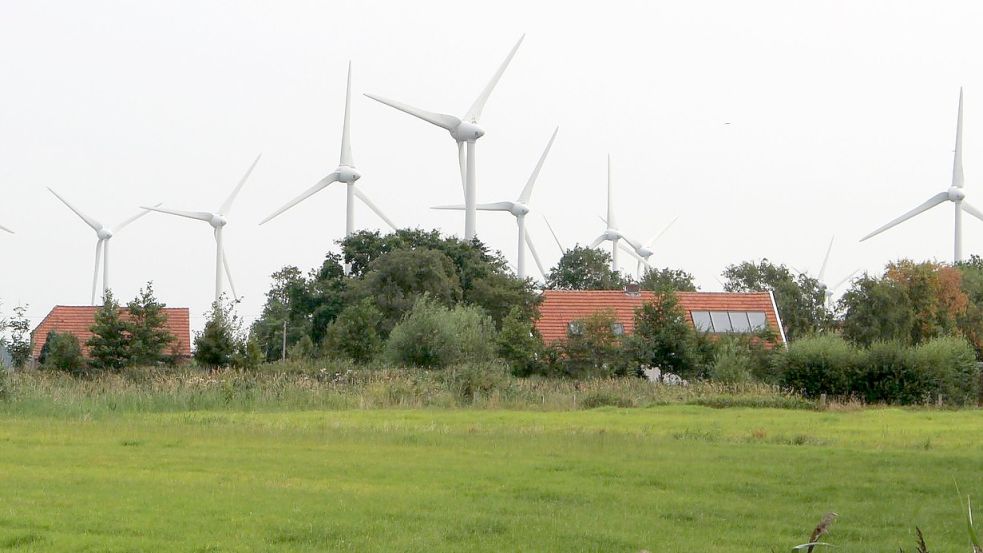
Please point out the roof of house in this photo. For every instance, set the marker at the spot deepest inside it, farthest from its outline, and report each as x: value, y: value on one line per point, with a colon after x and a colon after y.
x: 78, y: 319
x: 560, y: 307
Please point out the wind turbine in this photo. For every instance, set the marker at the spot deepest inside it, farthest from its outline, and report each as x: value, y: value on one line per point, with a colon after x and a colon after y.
x: 830, y: 290
x: 954, y: 194
x: 519, y: 209
x: 644, y: 252
x: 345, y: 173
x: 463, y: 130
x: 103, y: 234
x: 611, y: 232
x: 217, y: 220
x: 5, y: 229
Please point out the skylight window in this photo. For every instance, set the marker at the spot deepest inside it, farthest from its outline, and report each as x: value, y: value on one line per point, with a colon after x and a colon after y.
x: 720, y: 322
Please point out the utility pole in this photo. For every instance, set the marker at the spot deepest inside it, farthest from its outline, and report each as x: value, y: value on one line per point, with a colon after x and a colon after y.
x: 283, y: 352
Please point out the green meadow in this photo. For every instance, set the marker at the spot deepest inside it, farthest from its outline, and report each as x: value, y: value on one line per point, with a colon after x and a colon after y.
x: 664, y: 478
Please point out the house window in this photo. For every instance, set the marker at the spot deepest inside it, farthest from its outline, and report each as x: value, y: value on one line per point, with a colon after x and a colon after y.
x: 618, y: 329
x: 575, y: 328
x: 719, y: 322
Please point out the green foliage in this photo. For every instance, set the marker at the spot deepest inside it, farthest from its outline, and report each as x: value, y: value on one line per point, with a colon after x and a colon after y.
x: 218, y: 342
x: 303, y: 349
x: 800, y: 300
x: 248, y: 355
x: 19, y: 345
x: 656, y: 279
x: 434, y: 336
x: 469, y: 382
x: 732, y: 364
x: 822, y: 364
x: 876, y: 310
x: 396, y: 279
x: 594, y: 350
x: 355, y: 333
x: 109, y: 347
x: 519, y: 344
x: 887, y: 372
x: 63, y: 352
x: 664, y: 338
x: 583, y: 268
x: 146, y: 325
x: 950, y: 370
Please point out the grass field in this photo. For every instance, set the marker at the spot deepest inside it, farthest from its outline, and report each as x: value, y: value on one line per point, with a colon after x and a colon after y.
x: 667, y: 478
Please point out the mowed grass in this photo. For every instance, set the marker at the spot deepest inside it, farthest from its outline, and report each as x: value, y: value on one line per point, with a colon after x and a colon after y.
x: 670, y: 478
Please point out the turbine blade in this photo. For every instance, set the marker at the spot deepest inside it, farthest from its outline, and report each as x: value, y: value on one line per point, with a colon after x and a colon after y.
x: 346, y: 142
x: 527, y: 191
x: 479, y: 104
x: 822, y: 268
x: 321, y: 184
x: 123, y: 225
x: 957, y: 161
x: 929, y: 204
x: 631, y: 242
x: 496, y: 206
x: 5, y: 229
x: 96, y: 225
x: 597, y: 241
x: 655, y: 238
x: 361, y: 195
x: 844, y: 281
x: 549, y: 226
x: 972, y: 210
x: 631, y: 251
x: 442, y: 120
x: 535, y: 254
x: 227, y: 206
x: 228, y: 274
x: 462, y: 161
x: 455, y: 207
x: 199, y: 215
x: 95, y: 271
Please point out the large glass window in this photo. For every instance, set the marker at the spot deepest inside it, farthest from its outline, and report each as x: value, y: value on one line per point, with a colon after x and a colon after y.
x: 618, y: 329
x: 739, y: 321
x: 721, y: 322
x: 701, y: 319
x: 758, y: 320
x: 575, y: 328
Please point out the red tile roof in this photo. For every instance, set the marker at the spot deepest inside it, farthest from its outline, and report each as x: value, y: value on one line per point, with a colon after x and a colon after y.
x: 560, y: 307
x: 78, y: 319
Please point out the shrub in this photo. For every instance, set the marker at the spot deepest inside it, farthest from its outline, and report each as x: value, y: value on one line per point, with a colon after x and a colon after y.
x: 109, y: 347
x: 355, y: 333
x: 63, y: 352
x: 663, y: 338
x: 433, y: 336
x: 950, y: 370
x: 887, y: 372
x: 732, y: 364
x: 303, y: 349
x: 248, y: 355
x: 819, y: 365
x: 472, y: 381
x: 594, y: 350
x: 519, y: 345
x: 216, y: 344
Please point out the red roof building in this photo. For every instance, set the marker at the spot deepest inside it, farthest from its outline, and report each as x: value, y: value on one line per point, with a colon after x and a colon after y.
x: 713, y: 312
x: 78, y: 319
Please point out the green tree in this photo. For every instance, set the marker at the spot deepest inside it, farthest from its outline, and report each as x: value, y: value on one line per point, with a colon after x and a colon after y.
x: 583, y: 268
x: 396, y: 279
x: 248, y: 355
x: 20, y: 337
x: 354, y: 334
x: 288, y: 300
x: 877, y: 310
x: 519, y: 344
x: 110, y: 344
x: 663, y: 338
x: 63, y: 352
x: 435, y: 336
x: 218, y: 342
x: 667, y: 279
x: 800, y: 300
x: 147, y: 328
x: 593, y: 349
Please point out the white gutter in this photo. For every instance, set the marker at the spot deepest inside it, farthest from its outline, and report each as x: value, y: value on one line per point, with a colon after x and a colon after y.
x: 778, y: 317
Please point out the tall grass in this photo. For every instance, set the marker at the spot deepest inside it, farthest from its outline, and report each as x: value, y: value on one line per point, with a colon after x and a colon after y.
x: 340, y: 386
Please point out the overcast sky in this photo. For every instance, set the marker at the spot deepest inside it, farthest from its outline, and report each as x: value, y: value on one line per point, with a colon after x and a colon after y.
x: 766, y: 127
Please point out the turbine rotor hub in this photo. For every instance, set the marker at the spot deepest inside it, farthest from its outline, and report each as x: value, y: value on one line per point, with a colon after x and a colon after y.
x: 519, y: 209
x: 104, y: 234
x: 218, y: 221
x: 467, y: 132
x: 347, y: 174
x: 956, y: 194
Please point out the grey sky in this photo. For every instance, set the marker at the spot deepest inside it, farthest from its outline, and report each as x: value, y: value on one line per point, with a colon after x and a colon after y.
x: 841, y: 117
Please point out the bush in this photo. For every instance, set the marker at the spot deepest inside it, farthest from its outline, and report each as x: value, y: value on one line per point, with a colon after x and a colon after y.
x: 519, y: 345
x: 216, y: 344
x: 355, y: 333
x: 63, y: 352
x: 433, y: 336
x: 663, y: 338
x: 817, y: 365
x: 594, y: 350
x: 472, y: 381
x: 887, y: 372
x: 732, y: 364
x: 950, y: 370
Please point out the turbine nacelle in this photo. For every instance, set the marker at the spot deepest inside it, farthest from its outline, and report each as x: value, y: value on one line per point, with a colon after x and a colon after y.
x: 347, y: 174
x: 956, y: 194
x: 467, y: 131
x: 519, y: 209
x: 104, y: 233
x: 218, y: 220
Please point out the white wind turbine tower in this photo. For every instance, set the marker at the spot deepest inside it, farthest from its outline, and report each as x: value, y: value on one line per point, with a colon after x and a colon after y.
x: 217, y: 220
x: 611, y: 232
x: 463, y: 130
x: 954, y: 194
x: 103, y: 234
x: 345, y: 173
x: 519, y: 209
